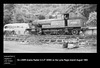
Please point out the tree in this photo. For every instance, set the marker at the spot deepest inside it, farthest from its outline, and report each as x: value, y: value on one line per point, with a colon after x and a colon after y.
x: 40, y: 17
x: 26, y: 12
x: 8, y: 13
x: 92, y: 20
x: 89, y: 9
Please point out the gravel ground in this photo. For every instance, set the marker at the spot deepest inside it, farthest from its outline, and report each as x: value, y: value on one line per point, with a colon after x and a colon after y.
x: 19, y: 47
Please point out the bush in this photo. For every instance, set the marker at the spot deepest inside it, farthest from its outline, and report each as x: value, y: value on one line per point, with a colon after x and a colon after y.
x: 40, y: 17
x: 92, y: 19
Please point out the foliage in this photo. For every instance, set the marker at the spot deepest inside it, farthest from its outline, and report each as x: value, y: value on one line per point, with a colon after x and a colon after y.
x: 29, y: 12
x: 40, y: 17
x: 8, y: 13
x: 92, y: 19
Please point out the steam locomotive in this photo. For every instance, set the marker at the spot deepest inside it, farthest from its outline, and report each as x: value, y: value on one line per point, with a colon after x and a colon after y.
x: 62, y: 26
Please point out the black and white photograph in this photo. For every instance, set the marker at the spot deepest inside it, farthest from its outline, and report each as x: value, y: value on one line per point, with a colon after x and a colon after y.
x: 49, y: 28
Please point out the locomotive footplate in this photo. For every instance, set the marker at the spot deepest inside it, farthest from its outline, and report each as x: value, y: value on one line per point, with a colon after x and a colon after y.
x: 61, y: 31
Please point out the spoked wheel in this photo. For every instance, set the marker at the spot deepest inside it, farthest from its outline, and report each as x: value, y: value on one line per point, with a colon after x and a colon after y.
x: 75, y: 32
x: 47, y: 33
x: 61, y: 33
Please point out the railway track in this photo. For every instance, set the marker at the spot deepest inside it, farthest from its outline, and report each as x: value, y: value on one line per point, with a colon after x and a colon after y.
x: 37, y: 39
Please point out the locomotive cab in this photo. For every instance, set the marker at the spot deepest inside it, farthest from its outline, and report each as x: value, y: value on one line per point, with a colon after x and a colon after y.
x: 66, y: 17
